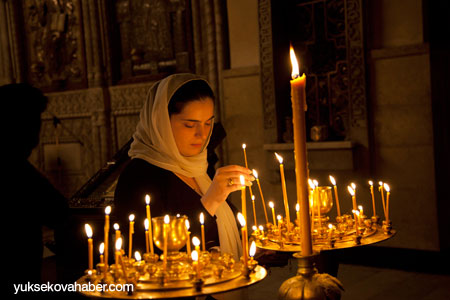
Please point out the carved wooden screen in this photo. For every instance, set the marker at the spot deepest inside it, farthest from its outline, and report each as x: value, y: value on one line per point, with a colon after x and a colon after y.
x: 327, y: 36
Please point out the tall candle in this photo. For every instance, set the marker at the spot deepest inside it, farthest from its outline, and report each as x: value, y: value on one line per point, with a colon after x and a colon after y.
x: 101, y: 250
x: 188, y: 240
x: 106, y: 230
x: 279, y: 217
x: 333, y: 182
x: 298, y: 99
x: 297, y: 209
x: 117, y: 229
x: 165, y: 235
x: 147, y: 239
x: 243, y: 198
x: 318, y: 199
x: 373, y: 198
x: 244, y: 239
x: 271, y: 205
x: 149, y: 217
x: 352, y: 193
x: 254, y: 211
x: 202, y: 221
x: 118, y: 253
x: 380, y: 188
x: 388, y: 192
x: 88, y: 229
x: 283, y: 187
x: 130, y: 236
x: 261, y: 193
x: 244, y: 146
x: 195, y: 265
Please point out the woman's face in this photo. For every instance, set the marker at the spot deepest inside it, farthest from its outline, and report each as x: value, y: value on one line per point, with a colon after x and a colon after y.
x: 192, y: 125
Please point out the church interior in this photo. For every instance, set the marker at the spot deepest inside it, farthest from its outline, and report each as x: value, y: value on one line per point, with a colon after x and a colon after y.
x: 377, y: 95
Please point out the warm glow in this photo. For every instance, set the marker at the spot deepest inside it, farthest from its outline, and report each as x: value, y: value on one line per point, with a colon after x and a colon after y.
x: 255, y: 173
x: 294, y: 63
x: 242, y: 179
x: 380, y: 183
x: 353, y: 185
x: 137, y: 255
x: 119, y: 244
x: 254, y: 228
x: 147, y: 199
x: 131, y: 218
x: 279, y: 217
x: 316, y: 183
x: 194, y: 255
x: 202, y: 218
x: 280, y: 159
x: 252, y: 249
x: 116, y: 226
x: 253, y: 197
x: 370, y: 182
x: 311, y: 184
x: 101, y: 249
x: 333, y: 182
x: 108, y: 210
x: 387, y: 188
x: 241, y: 219
x: 261, y: 227
x: 297, y: 207
x: 166, y: 219
x: 271, y: 205
x: 146, y: 224
x: 360, y: 207
x: 330, y: 225
x: 356, y: 213
x: 244, y: 146
x: 351, y: 191
x: 195, y: 241
x: 188, y: 225
x: 88, y: 229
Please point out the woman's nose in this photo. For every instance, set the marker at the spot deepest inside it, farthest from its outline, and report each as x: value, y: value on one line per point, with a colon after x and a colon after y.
x: 201, y: 131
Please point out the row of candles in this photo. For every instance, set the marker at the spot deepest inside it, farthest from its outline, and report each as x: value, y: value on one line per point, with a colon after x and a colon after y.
x: 248, y: 255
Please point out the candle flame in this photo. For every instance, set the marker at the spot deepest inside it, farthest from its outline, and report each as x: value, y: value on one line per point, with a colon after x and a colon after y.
x: 294, y: 63
x: 194, y: 255
x: 241, y: 219
x: 147, y: 199
x: 357, y: 213
x: 353, y: 185
x: 166, y: 219
x: 146, y: 224
x: 137, y: 255
x: 386, y: 187
x: 255, y: 173
x: 107, y: 210
x: 297, y: 207
x: 101, y: 249
x: 279, y: 217
x: 195, y: 241
x: 370, y: 182
x: 131, y: 217
x: 252, y: 249
x: 119, y: 244
x: 279, y: 157
x: 253, y: 197
x: 330, y: 225
x: 116, y: 226
x: 202, y: 218
x: 242, y: 180
x: 360, y: 207
x: 88, y: 229
x: 188, y: 225
x: 311, y: 184
x: 271, y: 205
x: 351, y: 191
x: 316, y: 183
x: 380, y: 183
x: 254, y: 228
x: 244, y: 146
x: 333, y: 182
x: 261, y: 227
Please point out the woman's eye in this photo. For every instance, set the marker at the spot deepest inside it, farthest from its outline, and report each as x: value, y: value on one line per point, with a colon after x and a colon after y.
x: 189, y: 125
x: 207, y: 124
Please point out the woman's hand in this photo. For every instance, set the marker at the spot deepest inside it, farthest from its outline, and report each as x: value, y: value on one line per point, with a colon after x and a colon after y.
x: 226, y: 180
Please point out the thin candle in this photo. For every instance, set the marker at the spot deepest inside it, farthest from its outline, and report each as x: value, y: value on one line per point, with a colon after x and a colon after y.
x: 106, y: 232
x: 283, y: 187
x: 381, y: 189
x: 196, y: 243
x: 373, y: 198
x: 333, y: 182
x: 118, y: 253
x: 244, y: 239
x: 117, y: 229
x: 279, y: 217
x: 149, y: 217
x: 312, y: 191
x: 244, y: 146
x: 271, y: 205
x: 147, y: 240
x: 130, y: 235
x: 101, y: 250
x: 261, y: 230
x: 165, y: 235
x: 195, y: 265
x: 188, y: 240
x: 243, y: 197
x: 252, y: 250
x: 254, y: 211
x: 388, y: 192
x: 88, y: 229
x: 361, y: 212
x: 261, y: 193
x: 352, y: 193
x: 297, y: 209
x: 316, y: 190
x: 358, y: 221
x: 202, y: 221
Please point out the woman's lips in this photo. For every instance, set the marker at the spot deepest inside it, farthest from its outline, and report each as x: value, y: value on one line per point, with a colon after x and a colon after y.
x: 196, y: 145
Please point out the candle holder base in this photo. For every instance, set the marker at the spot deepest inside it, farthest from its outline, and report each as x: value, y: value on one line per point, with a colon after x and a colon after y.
x: 151, y: 258
x: 375, y: 219
x: 387, y: 227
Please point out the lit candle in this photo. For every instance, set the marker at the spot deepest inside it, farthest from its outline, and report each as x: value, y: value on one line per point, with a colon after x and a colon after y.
x: 130, y: 235
x: 298, y: 99
x: 101, y: 250
x: 244, y: 239
x: 244, y: 146
x: 352, y: 193
x: 388, y: 192
x: 106, y: 229
x: 117, y: 229
x: 297, y: 209
x: 333, y: 182
x: 279, y: 217
x: 330, y: 232
x: 261, y: 230
x: 188, y: 234
x: 373, y: 198
x: 361, y: 212
x: 165, y: 235
x: 195, y: 265
x: 380, y: 188
x: 357, y: 224
x: 317, y: 199
x: 254, y: 210
x: 261, y: 193
x: 271, y: 205
x: 196, y: 243
x: 147, y: 240
x: 88, y: 229
x: 149, y: 217
x: 243, y: 199
x: 283, y: 187
x: 252, y: 251
x: 312, y: 187
x: 118, y: 253
x: 202, y: 221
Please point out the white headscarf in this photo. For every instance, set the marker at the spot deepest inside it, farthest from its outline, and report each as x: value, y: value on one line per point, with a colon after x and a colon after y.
x: 153, y: 142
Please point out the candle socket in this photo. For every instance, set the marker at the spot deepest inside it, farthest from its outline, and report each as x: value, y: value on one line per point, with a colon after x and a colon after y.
x: 368, y: 223
x: 331, y: 242
x: 387, y: 227
x: 264, y: 241
x: 198, y: 284
x: 151, y: 258
x: 375, y: 219
x: 340, y: 219
x: 100, y: 268
x: 91, y: 275
x: 139, y: 266
x: 357, y: 239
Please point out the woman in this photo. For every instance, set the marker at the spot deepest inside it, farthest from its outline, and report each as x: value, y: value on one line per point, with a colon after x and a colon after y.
x: 169, y: 163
